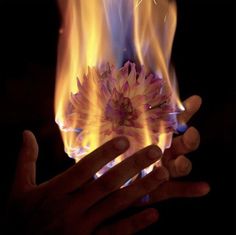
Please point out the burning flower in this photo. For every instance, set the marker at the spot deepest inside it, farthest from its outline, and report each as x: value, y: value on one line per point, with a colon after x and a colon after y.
x: 125, y: 102
x: 109, y: 100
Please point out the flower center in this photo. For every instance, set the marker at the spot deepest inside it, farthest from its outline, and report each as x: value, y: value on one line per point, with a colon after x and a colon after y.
x: 120, y: 112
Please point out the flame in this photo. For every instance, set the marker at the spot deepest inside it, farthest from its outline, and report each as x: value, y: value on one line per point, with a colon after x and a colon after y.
x: 80, y: 47
x: 154, y: 30
x: 96, y: 32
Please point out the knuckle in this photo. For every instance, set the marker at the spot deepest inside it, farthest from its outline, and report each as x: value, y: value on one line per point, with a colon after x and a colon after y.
x: 104, y: 151
x: 138, y: 162
x: 83, y: 168
x: 29, y: 154
x: 163, y: 194
x: 26, y: 152
x: 107, y: 184
x: 183, y: 166
x: 191, y: 140
x: 147, y: 185
x: 120, y: 201
x: 191, y: 145
x: 171, y: 166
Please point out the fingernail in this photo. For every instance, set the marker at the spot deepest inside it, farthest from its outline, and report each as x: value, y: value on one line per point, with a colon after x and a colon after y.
x: 121, y: 144
x: 154, y: 153
x: 185, y: 166
x: 206, y: 188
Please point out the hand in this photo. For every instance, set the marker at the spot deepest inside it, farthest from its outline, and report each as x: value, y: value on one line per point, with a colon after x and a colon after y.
x: 177, y: 164
x: 72, y: 203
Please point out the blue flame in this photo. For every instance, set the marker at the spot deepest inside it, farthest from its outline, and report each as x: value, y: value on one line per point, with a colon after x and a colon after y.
x: 119, y: 18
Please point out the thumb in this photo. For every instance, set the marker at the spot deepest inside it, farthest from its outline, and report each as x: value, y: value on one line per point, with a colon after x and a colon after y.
x: 26, y: 164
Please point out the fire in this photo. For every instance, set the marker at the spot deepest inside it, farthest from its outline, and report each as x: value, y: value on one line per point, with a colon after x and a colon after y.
x: 97, y: 97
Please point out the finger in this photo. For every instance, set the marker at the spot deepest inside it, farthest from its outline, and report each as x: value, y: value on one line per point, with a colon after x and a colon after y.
x: 125, y: 197
x: 86, y: 168
x: 174, y: 189
x: 183, y: 144
x: 26, y: 164
x: 132, y: 224
x: 192, y: 105
x: 119, y: 175
x: 181, y: 166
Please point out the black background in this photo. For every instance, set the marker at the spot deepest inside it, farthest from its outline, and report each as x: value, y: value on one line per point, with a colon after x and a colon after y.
x: 204, y: 59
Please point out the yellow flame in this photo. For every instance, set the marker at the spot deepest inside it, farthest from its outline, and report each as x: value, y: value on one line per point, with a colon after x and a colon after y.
x: 154, y: 30
x: 80, y: 46
x: 86, y: 42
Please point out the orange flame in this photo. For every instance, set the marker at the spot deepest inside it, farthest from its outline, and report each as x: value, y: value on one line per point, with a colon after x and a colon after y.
x: 88, y: 39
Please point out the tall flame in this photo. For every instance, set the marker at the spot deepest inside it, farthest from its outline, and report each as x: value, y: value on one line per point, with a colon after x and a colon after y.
x: 96, y: 32
x: 81, y: 45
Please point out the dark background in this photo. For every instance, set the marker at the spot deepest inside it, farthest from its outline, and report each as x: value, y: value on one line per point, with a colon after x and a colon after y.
x: 204, y: 60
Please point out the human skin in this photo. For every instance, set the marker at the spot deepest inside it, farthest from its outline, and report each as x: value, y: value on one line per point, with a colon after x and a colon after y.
x: 73, y: 203
x: 178, y: 164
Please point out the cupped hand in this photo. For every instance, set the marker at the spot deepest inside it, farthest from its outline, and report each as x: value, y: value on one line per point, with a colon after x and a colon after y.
x: 178, y: 164
x: 72, y: 203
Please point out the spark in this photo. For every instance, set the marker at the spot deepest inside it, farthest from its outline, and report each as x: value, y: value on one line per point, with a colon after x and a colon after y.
x: 140, y: 1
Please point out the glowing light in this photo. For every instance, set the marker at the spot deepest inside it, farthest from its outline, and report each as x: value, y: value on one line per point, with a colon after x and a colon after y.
x: 97, y: 98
